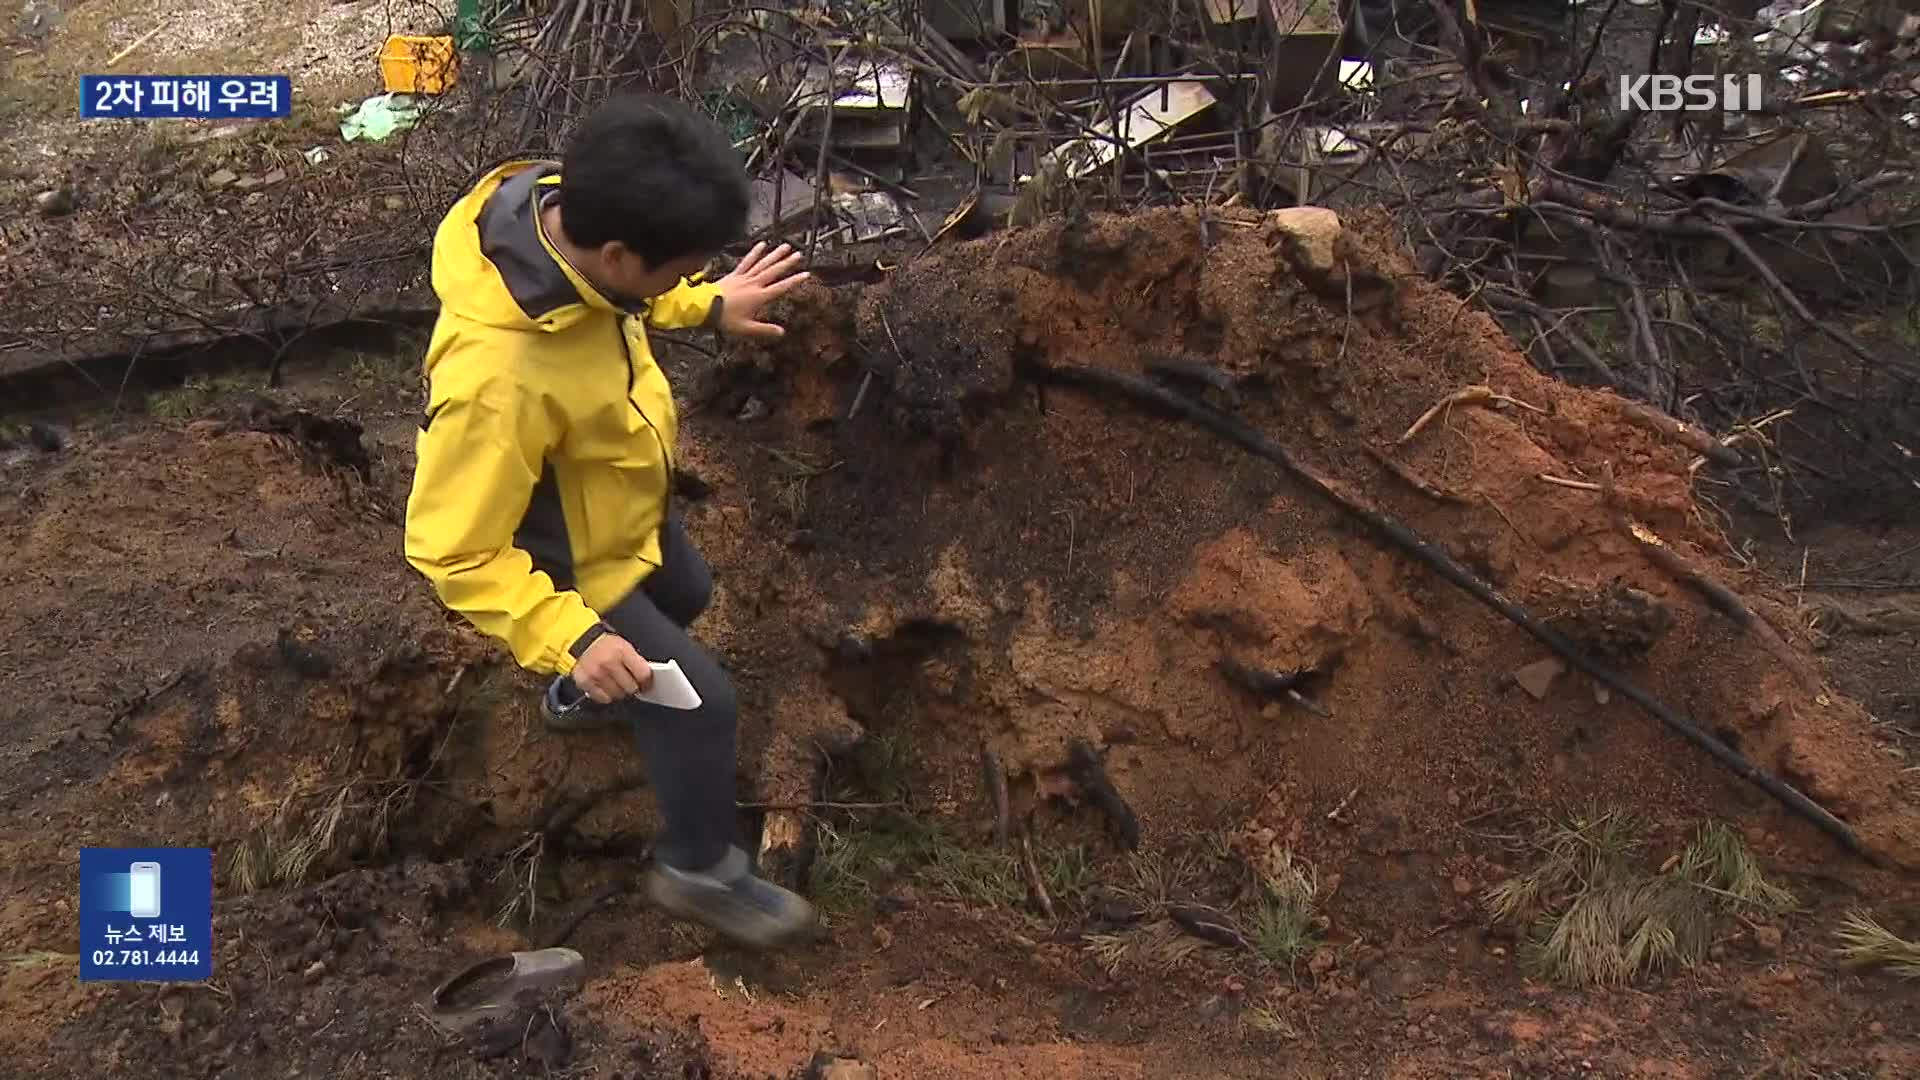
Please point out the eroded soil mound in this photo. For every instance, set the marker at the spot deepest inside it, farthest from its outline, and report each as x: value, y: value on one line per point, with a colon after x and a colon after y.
x: 921, y: 548
x: 1101, y: 561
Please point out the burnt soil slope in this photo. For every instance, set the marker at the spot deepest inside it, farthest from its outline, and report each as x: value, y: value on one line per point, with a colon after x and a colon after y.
x: 210, y: 637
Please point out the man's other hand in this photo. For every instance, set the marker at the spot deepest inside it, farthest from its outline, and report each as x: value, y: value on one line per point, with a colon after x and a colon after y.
x: 610, y: 670
x: 761, y: 278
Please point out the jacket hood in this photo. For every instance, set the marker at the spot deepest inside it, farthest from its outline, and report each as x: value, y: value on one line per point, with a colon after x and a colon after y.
x: 493, y: 263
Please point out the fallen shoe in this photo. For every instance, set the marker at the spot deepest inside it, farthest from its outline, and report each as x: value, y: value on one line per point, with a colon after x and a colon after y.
x: 730, y: 899
x: 488, y: 990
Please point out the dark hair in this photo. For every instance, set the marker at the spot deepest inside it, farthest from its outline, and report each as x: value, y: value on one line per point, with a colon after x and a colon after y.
x: 654, y: 175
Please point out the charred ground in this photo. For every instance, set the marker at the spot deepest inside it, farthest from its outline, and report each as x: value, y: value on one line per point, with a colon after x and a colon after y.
x: 968, y: 560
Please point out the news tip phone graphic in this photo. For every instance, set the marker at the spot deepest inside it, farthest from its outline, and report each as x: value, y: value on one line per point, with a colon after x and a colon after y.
x: 143, y: 890
x: 146, y: 914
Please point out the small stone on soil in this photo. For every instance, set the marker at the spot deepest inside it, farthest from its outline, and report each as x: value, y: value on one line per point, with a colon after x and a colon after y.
x: 54, y: 203
x: 221, y: 178
x: 842, y: 1069
x: 1767, y: 938
x: 250, y: 183
x: 1537, y: 678
x: 1311, y: 232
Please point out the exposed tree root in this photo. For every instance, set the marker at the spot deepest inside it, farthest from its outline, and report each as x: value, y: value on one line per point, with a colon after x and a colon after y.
x: 1724, y: 601
x: 1472, y: 395
x: 1685, y: 434
x: 1887, y: 617
x: 1091, y: 777
x: 995, y: 777
x: 1413, y: 479
x: 1032, y: 870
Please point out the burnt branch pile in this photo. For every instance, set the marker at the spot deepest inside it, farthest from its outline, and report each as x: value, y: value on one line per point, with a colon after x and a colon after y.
x: 1747, y: 270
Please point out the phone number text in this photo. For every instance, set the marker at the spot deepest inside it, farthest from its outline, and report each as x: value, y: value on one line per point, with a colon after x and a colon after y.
x: 144, y: 957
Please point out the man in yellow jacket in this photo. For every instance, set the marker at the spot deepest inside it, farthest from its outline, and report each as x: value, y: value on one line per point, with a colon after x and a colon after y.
x: 542, y: 500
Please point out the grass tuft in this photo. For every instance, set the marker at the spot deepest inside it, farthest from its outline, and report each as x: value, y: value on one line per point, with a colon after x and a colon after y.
x: 1281, y: 926
x: 1269, y: 1020
x: 37, y: 958
x: 1160, y: 879
x: 793, y: 470
x: 1719, y: 860
x: 287, y: 849
x: 1068, y: 873
x: 883, y: 766
x: 1157, y: 948
x: 1864, y: 942
x: 1111, y: 951
x: 854, y: 863
x: 199, y: 394
x: 975, y: 875
x: 1595, y: 917
x: 1621, y: 929
x: 1282, y: 923
x: 1575, y: 854
x: 837, y: 880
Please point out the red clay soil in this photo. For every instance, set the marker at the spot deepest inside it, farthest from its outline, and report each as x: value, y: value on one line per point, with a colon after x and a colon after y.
x: 210, y: 638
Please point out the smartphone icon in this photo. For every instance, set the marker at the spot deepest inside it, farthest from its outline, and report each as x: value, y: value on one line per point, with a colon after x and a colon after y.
x: 143, y: 890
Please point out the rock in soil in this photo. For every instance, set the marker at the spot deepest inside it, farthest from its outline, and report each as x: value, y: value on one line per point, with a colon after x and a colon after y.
x: 54, y: 203
x: 1537, y: 678
x: 827, y: 1067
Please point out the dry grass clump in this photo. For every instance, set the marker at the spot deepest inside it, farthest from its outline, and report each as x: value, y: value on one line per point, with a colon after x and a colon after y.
x: 1866, y: 943
x: 1595, y: 916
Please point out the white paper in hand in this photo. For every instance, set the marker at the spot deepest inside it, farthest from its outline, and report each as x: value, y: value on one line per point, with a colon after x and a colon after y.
x: 670, y: 687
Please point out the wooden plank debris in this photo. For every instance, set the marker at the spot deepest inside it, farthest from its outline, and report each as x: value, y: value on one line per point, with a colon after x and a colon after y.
x: 1147, y: 117
x: 871, y: 101
x: 1304, y: 64
x: 779, y: 204
x: 966, y: 20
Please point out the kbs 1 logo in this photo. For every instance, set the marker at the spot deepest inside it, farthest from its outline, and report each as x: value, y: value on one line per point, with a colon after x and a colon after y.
x: 1692, y: 93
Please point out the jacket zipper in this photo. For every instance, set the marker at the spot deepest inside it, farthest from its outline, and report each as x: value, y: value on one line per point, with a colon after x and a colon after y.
x: 632, y: 389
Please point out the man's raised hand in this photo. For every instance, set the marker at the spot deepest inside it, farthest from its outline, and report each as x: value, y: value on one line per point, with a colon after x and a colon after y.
x: 762, y: 277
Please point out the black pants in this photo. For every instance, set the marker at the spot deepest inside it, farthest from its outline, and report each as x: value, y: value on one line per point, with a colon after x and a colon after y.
x: 689, y: 753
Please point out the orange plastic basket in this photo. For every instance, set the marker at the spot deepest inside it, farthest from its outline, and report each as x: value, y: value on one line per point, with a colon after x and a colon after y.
x: 412, y: 64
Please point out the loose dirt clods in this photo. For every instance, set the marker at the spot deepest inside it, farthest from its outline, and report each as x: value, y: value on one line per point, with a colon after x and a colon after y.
x: 972, y: 561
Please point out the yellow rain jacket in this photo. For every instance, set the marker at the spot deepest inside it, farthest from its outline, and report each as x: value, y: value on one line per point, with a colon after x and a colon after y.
x: 546, y: 453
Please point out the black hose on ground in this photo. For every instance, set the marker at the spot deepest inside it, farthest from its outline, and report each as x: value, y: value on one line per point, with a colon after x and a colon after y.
x: 1144, y: 392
